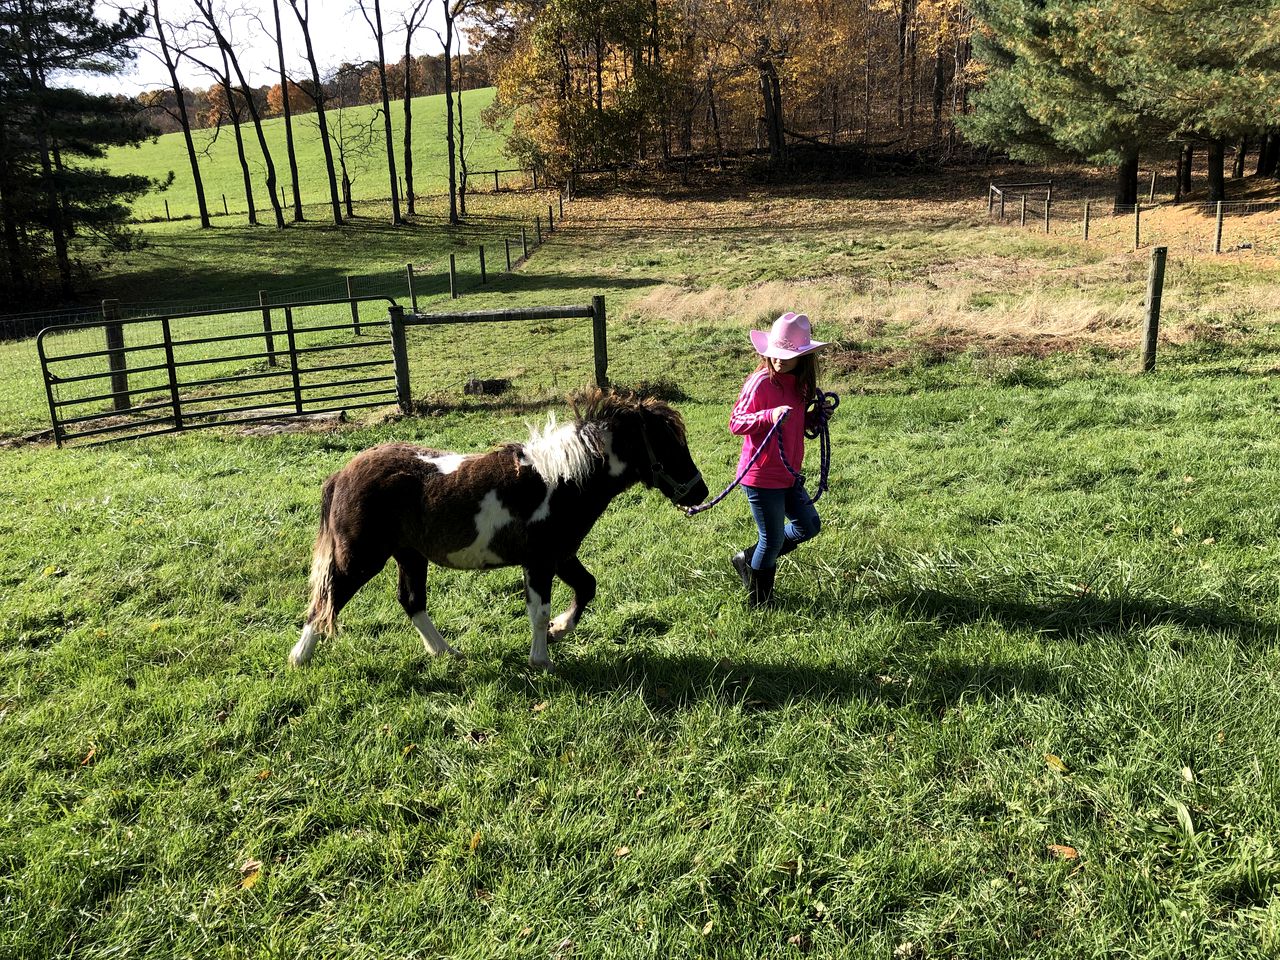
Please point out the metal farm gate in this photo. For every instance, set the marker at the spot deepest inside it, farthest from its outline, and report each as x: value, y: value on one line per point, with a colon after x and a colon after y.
x: 112, y: 379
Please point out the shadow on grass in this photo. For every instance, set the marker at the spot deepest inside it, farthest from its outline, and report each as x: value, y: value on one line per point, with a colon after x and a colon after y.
x: 1076, y: 618
x: 670, y: 683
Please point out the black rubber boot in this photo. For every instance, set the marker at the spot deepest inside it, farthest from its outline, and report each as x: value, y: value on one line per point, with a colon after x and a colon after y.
x: 742, y: 564
x: 760, y: 593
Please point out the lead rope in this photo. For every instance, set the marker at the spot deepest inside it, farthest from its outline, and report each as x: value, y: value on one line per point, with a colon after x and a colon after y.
x: 824, y: 405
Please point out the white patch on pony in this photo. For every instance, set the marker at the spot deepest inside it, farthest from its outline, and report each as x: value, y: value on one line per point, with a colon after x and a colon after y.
x: 302, y: 650
x: 616, y: 466
x: 431, y: 638
x: 491, y: 517
x: 447, y: 463
x: 544, y: 508
x: 539, y: 617
x: 562, y: 454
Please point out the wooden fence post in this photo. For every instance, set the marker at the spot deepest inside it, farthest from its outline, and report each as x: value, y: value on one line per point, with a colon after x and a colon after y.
x: 1137, y: 225
x: 1217, y: 230
x: 1155, y: 289
x: 484, y: 277
x: 355, y: 307
x: 495, y: 181
x: 561, y: 204
x: 224, y: 205
x: 506, y: 242
x: 166, y: 211
x: 599, y: 342
x: 413, y: 294
x: 400, y: 358
x: 1151, y: 194
x: 537, y: 231
x: 535, y: 178
x: 116, y: 360
x: 1023, y: 221
x: 1086, y: 220
x: 524, y: 241
x: 453, y: 277
x: 991, y: 199
x: 1047, y: 198
x: 1002, y: 206
x: 551, y: 219
x: 267, y: 333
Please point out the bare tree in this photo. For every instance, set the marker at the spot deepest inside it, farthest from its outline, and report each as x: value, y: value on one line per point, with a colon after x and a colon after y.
x: 288, y: 116
x: 354, y: 138
x: 205, y: 7
x: 375, y: 24
x: 462, y: 145
x: 411, y: 21
x: 452, y: 10
x: 302, y: 10
x: 170, y: 60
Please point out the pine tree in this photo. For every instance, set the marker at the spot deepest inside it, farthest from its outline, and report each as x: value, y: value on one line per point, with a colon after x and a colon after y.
x: 50, y: 192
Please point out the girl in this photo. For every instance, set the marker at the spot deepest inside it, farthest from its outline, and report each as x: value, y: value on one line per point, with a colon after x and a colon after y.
x: 779, y: 391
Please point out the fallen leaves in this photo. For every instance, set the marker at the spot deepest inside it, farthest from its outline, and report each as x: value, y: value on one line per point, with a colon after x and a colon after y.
x: 622, y: 852
x: 1063, y: 852
x: 88, y: 757
x: 1054, y: 762
x: 250, y: 873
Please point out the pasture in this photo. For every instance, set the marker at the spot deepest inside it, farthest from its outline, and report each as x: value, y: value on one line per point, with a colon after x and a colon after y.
x: 1019, y: 697
x: 367, y: 165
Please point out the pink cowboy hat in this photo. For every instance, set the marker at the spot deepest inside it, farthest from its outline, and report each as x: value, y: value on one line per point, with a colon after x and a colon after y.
x: 789, y: 337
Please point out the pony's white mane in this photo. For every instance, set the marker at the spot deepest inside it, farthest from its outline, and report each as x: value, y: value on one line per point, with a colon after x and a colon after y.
x: 562, y: 453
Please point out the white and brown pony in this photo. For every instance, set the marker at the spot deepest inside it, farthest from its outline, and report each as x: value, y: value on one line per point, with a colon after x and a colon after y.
x: 524, y: 504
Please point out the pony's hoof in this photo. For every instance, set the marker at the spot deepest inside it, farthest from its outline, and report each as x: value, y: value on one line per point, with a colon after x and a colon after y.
x: 542, y: 666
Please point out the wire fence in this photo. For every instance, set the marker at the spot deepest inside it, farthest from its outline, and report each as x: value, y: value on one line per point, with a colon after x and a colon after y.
x: 1220, y: 227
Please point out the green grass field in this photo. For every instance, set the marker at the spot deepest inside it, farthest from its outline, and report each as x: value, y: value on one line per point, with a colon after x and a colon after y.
x: 1018, y: 699
x: 220, y: 168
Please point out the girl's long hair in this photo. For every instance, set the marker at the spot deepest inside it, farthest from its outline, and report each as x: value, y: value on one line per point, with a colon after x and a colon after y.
x: 805, y: 372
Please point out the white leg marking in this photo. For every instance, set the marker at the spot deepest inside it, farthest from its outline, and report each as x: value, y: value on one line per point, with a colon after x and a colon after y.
x: 563, y: 625
x: 302, y: 650
x: 539, y: 617
x: 491, y: 516
x: 431, y: 638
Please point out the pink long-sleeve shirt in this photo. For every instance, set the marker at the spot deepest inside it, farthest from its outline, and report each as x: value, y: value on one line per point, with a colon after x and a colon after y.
x: 753, y: 416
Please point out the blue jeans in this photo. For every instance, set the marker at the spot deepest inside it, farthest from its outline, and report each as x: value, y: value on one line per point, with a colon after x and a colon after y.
x: 771, y: 508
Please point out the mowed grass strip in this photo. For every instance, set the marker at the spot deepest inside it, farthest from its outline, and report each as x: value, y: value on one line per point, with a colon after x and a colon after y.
x: 1018, y: 698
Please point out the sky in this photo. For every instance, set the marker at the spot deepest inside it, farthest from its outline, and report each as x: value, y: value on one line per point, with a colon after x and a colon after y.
x: 338, y: 33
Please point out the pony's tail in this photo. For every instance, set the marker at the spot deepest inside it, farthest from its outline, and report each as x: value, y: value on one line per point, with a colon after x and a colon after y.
x: 320, y: 614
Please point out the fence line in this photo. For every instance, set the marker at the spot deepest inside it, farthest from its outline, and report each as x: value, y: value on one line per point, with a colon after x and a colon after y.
x: 1033, y: 206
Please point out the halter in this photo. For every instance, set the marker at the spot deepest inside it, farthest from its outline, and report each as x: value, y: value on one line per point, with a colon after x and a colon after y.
x: 825, y: 404
x: 658, y: 472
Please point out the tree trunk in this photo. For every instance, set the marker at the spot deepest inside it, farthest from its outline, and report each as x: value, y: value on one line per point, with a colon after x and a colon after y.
x: 235, y: 124
x: 1217, y: 161
x: 771, y: 93
x: 247, y: 92
x: 12, y: 245
x: 386, y: 114
x: 1268, y: 157
x: 408, y: 123
x: 939, y: 92
x: 1127, y: 179
x: 1187, y: 161
x: 183, y: 118
x: 448, y: 109
x: 288, y: 117
x: 1242, y: 149
x: 318, y: 91
x: 462, y: 146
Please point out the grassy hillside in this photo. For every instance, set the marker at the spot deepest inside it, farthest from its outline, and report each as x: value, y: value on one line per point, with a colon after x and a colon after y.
x: 1018, y: 699
x: 220, y: 168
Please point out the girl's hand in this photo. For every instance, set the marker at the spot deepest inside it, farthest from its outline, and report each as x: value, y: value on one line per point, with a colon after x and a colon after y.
x: 780, y: 413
